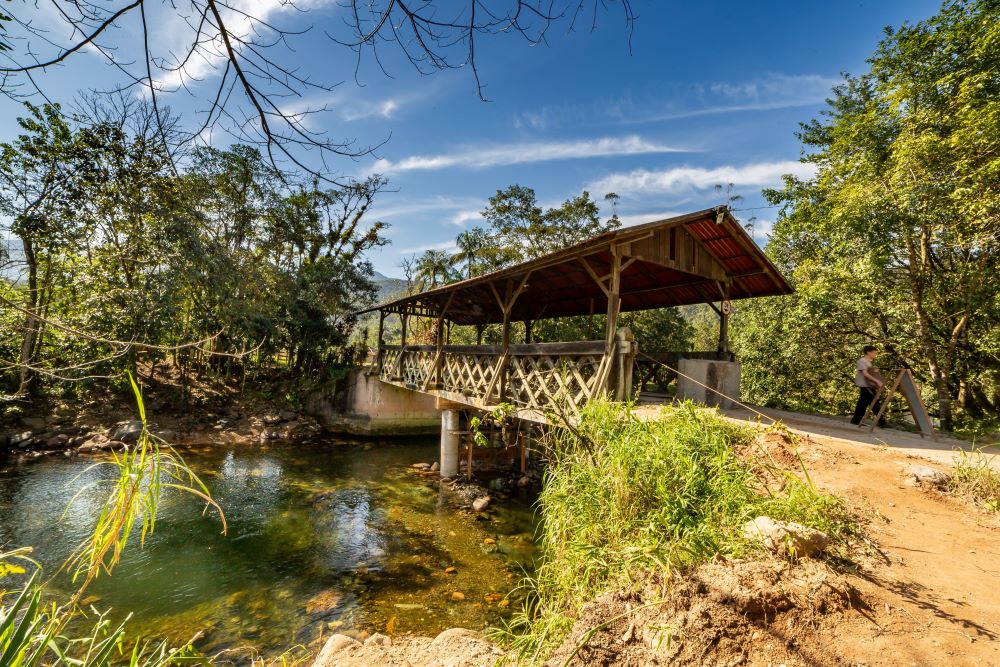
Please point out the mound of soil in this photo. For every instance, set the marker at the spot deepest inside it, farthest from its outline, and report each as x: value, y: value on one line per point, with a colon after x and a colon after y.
x: 722, y: 613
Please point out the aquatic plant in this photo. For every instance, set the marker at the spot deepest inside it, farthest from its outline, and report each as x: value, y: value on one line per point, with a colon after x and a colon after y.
x: 624, y: 497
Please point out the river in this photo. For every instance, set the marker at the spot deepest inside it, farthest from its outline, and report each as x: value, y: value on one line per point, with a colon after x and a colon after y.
x: 327, y: 536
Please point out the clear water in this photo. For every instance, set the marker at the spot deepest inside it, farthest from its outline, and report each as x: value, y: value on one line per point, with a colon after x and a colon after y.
x: 324, y: 537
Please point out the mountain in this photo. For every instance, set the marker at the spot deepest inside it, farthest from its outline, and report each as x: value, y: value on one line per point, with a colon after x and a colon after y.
x: 388, y: 288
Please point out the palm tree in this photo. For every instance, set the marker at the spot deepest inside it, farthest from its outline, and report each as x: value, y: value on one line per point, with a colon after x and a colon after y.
x: 469, y: 243
x: 433, y: 267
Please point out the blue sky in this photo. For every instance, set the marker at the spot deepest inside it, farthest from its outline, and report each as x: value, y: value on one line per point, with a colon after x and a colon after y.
x: 706, y: 93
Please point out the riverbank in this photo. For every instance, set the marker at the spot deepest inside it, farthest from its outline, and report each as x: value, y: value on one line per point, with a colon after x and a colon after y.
x: 181, y: 411
x: 913, y: 583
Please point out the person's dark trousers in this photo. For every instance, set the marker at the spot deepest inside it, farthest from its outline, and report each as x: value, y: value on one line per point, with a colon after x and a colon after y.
x: 865, y: 398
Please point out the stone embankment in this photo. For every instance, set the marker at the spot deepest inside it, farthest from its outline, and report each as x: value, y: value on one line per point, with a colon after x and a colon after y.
x: 61, y: 435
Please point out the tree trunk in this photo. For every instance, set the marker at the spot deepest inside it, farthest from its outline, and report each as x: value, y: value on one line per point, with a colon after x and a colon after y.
x: 938, y: 375
x: 27, y: 376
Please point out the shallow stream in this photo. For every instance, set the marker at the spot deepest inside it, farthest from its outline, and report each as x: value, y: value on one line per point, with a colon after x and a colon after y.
x: 328, y: 536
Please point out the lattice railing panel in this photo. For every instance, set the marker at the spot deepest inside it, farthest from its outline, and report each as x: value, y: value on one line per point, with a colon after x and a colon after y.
x: 553, y: 382
x: 417, y: 366
x: 389, y: 363
x: 470, y: 374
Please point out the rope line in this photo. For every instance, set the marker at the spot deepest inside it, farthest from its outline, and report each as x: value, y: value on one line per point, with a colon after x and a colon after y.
x: 712, y: 389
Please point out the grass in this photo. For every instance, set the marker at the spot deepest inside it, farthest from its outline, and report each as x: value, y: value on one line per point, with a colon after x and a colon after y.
x: 624, y: 497
x: 976, y: 479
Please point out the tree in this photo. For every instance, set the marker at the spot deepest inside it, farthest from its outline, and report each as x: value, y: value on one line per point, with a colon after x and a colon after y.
x: 41, y: 176
x: 433, y: 268
x: 897, y: 238
x: 519, y: 230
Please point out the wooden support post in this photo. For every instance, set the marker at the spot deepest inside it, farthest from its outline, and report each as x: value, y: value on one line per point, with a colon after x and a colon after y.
x: 434, y: 375
x: 724, y: 322
x: 505, y: 346
x: 604, y: 375
x: 625, y: 352
x: 614, y: 300
x: 724, y: 334
x: 527, y: 332
x: 403, y: 318
x: 381, y: 343
x: 524, y: 462
x: 506, y: 304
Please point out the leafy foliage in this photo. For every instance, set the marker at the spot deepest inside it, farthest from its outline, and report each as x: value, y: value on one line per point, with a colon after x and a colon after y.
x: 117, y: 247
x: 896, y: 239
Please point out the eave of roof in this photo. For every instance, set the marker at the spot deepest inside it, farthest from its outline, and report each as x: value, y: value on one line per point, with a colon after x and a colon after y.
x: 644, y: 285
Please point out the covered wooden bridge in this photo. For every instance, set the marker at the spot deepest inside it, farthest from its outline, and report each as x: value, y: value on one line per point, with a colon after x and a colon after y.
x: 702, y: 257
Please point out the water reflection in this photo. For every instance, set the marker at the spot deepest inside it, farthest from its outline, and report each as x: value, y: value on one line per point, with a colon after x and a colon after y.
x: 322, y: 538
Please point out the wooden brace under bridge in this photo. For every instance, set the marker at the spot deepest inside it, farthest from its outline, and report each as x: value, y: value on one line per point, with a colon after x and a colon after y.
x: 703, y: 257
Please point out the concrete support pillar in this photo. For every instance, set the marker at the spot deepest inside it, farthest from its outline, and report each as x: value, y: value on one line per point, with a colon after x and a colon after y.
x: 449, y: 442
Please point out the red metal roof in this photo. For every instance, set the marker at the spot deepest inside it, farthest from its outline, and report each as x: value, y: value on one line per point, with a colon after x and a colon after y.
x: 559, y: 285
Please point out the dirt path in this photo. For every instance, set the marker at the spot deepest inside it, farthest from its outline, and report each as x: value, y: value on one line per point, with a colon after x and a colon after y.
x: 938, y: 579
x: 933, y: 585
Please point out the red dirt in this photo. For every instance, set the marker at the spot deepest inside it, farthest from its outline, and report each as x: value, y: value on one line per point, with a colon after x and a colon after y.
x: 925, y: 592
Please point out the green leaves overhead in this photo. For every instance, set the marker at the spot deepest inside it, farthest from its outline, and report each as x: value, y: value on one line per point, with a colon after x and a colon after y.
x: 117, y: 242
x: 895, y: 241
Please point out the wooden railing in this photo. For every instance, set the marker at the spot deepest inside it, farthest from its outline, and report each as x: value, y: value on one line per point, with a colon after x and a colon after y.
x: 538, y: 378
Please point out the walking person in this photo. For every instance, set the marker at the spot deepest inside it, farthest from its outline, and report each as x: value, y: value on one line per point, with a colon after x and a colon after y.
x: 869, y: 383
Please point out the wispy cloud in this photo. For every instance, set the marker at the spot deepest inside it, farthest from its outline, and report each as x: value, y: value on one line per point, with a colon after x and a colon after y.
x: 421, y: 207
x: 679, y: 179
x: 244, y: 19
x: 443, y: 245
x: 462, y: 218
x: 630, y: 219
x: 380, y: 109
x: 763, y: 93
x: 493, y: 156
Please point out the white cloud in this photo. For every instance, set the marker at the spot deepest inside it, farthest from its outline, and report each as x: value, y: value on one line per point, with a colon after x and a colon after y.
x: 493, y: 156
x: 423, y: 206
x: 462, y: 217
x: 679, y: 179
x: 383, y: 109
x: 631, y: 219
x: 244, y: 19
x: 443, y: 245
x: 763, y: 93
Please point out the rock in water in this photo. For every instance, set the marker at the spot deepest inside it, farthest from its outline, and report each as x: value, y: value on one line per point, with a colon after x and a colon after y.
x: 786, y: 537
x: 126, y: 431
x: 288, y: 415
x: 435, y: 466
x: 272, y: 420
x: 481, y: 503
x: 60, y: 440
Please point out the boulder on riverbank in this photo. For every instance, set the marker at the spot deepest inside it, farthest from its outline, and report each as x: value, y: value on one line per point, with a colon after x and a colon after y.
x: 456, y: 647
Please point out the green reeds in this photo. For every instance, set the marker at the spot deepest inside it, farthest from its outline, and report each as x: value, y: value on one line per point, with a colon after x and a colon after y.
x: 977, y: 479
x: 33, y: 633
x: 624, y: 497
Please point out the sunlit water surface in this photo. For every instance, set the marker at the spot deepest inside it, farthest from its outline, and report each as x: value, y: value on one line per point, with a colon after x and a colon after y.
x: 329, y: 536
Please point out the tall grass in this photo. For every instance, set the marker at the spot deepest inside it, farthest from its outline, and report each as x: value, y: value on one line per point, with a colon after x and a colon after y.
x: 623, y: 497
x: 976, y: 479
